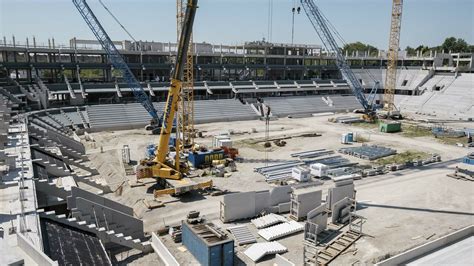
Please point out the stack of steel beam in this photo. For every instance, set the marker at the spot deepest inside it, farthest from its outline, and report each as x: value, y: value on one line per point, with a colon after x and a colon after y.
x: 349, y: 119
x: 312, y: 154
x: 366, y: 152
x: 278, y: 171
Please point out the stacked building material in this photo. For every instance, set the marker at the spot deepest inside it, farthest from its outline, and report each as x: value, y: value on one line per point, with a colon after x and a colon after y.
x: 259, y: 250
x: 368, y: 152
x: 312, y: 154
x: 280, y: 230
x: 278, y: 171
x: 242, y: 234
x: 268, y: 220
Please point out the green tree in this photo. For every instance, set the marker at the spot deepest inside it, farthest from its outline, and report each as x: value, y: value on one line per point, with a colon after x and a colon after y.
x: 361, y: 47
x: 455, y: 45
x: 410, y: 50
x: 423, y: 49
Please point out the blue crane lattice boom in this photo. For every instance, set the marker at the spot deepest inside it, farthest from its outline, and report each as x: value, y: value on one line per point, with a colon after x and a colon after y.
x: 324, y: 33
x: 116, y: 58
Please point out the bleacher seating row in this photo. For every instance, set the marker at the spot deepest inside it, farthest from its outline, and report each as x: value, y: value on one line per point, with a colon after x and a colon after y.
x: 284, y: 106
x: 133, y: 115
x: 407, y: 79
x: 446, y: 97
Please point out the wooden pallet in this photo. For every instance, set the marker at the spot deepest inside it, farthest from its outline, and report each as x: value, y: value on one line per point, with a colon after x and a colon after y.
x: 336, y: 247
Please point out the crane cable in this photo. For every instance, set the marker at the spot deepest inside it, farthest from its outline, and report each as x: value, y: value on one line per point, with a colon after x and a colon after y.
x: 118, y: 22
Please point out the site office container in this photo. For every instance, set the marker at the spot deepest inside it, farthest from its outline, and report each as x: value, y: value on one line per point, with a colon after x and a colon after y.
x: 390, y: 127
x: 201, y: 159
x: 220, y: 253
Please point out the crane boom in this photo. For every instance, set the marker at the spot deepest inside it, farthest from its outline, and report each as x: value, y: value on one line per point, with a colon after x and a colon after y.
x: 176, y: 81
x: 116, y: 58
x: 321, y: 27
x: 394, y: 43
x: 161, y: 166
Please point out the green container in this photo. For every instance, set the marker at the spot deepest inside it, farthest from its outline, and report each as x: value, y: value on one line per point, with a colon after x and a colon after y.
x: 390, y: 127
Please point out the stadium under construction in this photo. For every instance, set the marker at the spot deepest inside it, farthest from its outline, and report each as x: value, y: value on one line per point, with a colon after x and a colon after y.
x: 186, y: 153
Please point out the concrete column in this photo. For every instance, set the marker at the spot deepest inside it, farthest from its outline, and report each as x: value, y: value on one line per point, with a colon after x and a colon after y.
x: 13, y: 39
x: 34, y: 42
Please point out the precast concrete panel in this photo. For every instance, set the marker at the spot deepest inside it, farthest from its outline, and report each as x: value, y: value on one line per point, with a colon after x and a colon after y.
x: 238, y: 206
x: 279, y: 195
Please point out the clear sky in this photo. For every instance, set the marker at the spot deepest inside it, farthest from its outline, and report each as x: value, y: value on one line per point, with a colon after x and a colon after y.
x: 426, y: 22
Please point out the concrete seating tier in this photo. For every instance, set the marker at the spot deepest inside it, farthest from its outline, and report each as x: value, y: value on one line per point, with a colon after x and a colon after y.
x: 134, y: 115
x: 283, y: 106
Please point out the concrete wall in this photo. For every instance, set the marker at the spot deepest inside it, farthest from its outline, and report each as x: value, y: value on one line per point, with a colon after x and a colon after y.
x: 414, y: 253
x: 33, y: 252
x: 279, y: 195
x: 250, y: 204
x: 78, y: 192
x: 238, y: 206
x: 262, y: 201
x: 164, y: 254
x: 105, y: 215
x: 302, y: 203
x: 338, y: 193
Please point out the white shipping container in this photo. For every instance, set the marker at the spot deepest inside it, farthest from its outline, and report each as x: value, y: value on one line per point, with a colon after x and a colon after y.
x: 225, y: 143
x: 301, y: 174
x: 319, y: 170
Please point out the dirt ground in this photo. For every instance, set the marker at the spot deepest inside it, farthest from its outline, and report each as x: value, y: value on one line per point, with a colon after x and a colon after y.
x: 403, y: 209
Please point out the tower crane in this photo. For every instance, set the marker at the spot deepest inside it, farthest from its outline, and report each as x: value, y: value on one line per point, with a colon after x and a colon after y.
x: 391, y: 78
x: 320, y: 25
x: 118, y: 62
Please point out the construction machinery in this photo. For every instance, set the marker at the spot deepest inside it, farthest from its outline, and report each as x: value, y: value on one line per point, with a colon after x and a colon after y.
x: 171, y: 172
x: 324, y: 30
x: 162, y: 166
x: 389, y: 109
x: 118, y: 63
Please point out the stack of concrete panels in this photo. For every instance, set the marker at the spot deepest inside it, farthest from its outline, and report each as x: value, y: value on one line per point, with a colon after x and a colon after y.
x: 259, y: 250
x: 319, y: 217
x: 280, y: 230
x: 268, y: 220
x: 304, y: 200
x: 242, y: 234
x: 244, y: 205
x: 344, y: 187
x: 341, y: 210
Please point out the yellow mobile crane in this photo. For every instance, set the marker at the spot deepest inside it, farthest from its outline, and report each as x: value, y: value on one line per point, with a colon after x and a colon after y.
x: 389, y: 110
x: 161, y: 166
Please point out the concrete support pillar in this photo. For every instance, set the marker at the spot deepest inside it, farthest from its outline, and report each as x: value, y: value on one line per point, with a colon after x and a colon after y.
x: 34, y: 42
x: 13, y: 39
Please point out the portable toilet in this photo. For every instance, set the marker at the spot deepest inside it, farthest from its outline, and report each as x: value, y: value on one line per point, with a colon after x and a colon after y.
x: 350, y: 137
x: 344, y: 139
